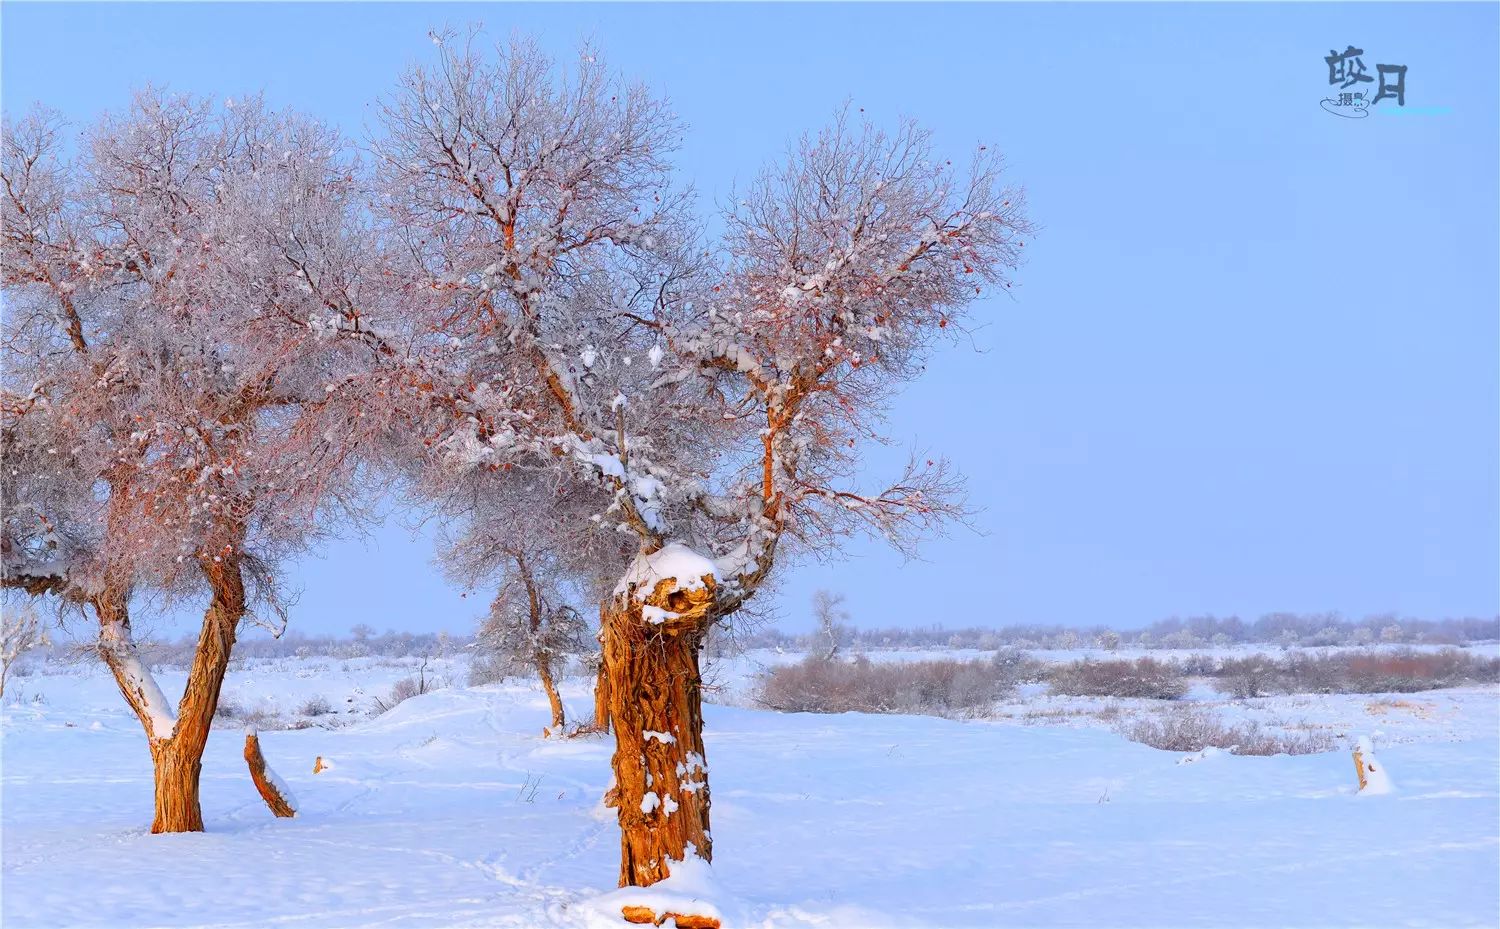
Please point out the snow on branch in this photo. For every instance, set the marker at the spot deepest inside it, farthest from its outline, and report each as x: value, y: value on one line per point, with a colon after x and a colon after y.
x: 136, y: 681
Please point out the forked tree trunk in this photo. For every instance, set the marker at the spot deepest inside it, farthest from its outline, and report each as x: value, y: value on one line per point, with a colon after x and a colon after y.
x: 176, y: 745
x: 544, y: 671
x: 655, y: 705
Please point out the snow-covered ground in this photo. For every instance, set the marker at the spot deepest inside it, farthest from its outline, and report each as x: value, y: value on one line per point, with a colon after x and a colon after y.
x: 451, y: 810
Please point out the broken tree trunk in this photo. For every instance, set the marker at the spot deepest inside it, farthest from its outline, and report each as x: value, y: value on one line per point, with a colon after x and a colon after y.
x: 265, y: 779
x: 650, y: 670
x: 645, y: 916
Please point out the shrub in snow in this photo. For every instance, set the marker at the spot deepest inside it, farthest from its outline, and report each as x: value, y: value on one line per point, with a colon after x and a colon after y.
x: 489, y: 669
x: 942, y: 688
x: 1144, y: 677
x: 1015, y: 667
x: 1197, y: 664
x: 316, y: 706
x: 231, y: 713
x: 1192, y: 731
x: 405, y: 689
x: 1394, y: 671
x: 1254, y: 676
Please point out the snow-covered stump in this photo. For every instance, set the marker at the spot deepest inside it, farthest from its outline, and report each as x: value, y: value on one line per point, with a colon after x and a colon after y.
x: 272, y: 789
x: 645, y: 915
x: 690, y: 899
x: 1373, y: 779
x: 652, y: 638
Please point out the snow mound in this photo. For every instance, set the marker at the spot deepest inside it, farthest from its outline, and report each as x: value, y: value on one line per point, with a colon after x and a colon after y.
x: 1377, y: 781
x: 1204, y: 755
x: 675, y: 561
x: 691, y: 890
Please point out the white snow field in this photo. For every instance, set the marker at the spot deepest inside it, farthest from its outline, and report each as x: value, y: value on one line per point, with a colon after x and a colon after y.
x: 452, y: 810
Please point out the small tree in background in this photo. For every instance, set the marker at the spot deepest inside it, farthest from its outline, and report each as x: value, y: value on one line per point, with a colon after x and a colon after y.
x: 21, y: 630
x: 830, y: 616
x: 529, y: 625
x: 534, y: 542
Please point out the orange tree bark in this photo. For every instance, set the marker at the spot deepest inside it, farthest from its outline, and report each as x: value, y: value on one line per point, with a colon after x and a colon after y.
x: 178, y: 754
x: 278, y: 802
x: 656, y: 708
x: 180, y: 760
x: 544, y: 671
x: 601, y: 679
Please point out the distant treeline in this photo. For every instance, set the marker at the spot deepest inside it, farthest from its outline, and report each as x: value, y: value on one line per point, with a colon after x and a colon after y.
x: 1280, y: 629
x: 360, y: 643
x: 1286, y: 629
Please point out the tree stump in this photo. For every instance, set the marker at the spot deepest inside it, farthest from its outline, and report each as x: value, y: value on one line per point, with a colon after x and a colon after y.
x: 644, y: 915
x: 265, y: 779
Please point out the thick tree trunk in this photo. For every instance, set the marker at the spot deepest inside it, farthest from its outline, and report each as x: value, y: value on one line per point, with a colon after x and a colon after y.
x: 177, y: 773
x: 655, y: 706
x: 544, y: 671
x: 176, y: 743
x: 181, y: 758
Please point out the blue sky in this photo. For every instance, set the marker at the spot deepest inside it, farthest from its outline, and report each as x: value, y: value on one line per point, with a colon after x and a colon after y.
x: 1250, y: 366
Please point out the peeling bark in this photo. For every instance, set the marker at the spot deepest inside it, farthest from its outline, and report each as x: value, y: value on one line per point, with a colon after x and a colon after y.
x: 177, y: 775
x: 177, y: 810
x: 655, y: 705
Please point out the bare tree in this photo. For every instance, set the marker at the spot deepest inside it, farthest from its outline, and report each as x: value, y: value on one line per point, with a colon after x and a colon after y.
x: 21, y: 630
x: 843, y: 267
x: 716, y: 407
x: 525, y: 536
x: 529, y: 625
x: 830, y: 616
x: 174, y: 414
